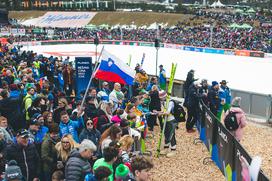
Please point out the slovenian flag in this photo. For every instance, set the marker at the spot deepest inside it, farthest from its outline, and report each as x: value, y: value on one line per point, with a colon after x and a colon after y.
x: 112, y: 69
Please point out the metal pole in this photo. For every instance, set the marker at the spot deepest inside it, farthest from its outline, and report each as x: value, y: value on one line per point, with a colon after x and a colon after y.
x: 157, y: 56
x: 97, y: 5
x: 114, y: 5
x: 211, y: 38
x: 121, y: 30
x: 96, y: 53
x: 90, y: 81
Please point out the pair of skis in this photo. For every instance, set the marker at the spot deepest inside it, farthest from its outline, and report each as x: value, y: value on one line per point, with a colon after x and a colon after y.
x: 169, y: 91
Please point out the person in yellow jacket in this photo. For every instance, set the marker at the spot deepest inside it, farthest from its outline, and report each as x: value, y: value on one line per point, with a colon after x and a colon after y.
x: 141, y: 77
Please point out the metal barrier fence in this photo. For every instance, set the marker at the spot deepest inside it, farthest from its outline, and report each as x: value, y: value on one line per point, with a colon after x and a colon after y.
x: 254, y: 104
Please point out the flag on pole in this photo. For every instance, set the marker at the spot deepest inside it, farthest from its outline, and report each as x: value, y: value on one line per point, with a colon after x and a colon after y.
x: 113, y: 69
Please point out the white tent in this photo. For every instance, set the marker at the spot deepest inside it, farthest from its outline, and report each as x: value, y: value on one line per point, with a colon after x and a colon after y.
x: 217, y: 4
x: 214, y: 4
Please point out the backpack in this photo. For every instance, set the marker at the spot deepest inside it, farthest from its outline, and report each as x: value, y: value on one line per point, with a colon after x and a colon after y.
x: 231, y: 121
x: 178, y: 112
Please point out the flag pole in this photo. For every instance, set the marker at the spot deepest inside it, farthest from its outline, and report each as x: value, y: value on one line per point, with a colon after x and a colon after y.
x: 90, y: 81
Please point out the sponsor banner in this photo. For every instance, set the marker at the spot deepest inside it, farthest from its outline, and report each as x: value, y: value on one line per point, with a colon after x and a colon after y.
x: 83, y: 73
x: 4, y: 32
x: 242, y: 53
x: 107, y: 42
x: 117, y: 43
x: 198, y: 49
x: 220, y: 51
x: 29, y: 43
x: 17, y: 32
x: 147, y: 44
x: 229, y: 52
x: 62, y: 19
x: 186, y: 48
x: 212, y: 50
x: 257, y: 54
x: 225, y: 150
x: 225, y: 146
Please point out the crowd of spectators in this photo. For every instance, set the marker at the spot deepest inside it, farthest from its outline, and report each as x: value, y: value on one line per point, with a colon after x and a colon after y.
x: 46, y: 135
x: 257, y: 38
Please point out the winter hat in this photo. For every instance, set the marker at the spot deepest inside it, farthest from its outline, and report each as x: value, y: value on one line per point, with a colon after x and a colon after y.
x: 224, y: 82
x: 13, y: 171
x: 214, y: 83
x: 116, y: 119
x: 236, y: 102
x: 121, y: 171
x: 36, y: 116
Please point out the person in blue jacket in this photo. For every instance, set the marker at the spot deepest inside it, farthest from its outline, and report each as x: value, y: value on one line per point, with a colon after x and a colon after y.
x: 227, y: 94
x: 37, y: 129
x: 225, y: 98
x: 68, y: 126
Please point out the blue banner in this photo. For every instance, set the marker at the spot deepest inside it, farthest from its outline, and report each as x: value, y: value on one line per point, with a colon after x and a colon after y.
x: 198, y: 49
x: 189, y: 48
x: 83, y: 73
x: 216, y: 51
x: 209, y: 50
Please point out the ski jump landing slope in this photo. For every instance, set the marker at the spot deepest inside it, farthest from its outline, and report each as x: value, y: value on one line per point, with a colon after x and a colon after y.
x: 242, y: 73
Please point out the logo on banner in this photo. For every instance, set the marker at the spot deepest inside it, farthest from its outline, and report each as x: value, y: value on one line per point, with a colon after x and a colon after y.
x: 222, y: 135
x: 209, y: 117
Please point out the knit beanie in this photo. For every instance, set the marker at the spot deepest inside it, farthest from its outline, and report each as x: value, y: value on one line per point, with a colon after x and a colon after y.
x: 121, y: 171
x: 214, y: 83
x: 13, y: 171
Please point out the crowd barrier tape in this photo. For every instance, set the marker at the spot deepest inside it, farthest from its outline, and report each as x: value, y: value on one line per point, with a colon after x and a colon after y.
x: 224, y: 149
x: 151, y: 44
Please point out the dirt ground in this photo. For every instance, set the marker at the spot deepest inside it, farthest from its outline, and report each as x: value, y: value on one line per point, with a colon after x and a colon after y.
x: 187, y: 164
x: 257, y: 142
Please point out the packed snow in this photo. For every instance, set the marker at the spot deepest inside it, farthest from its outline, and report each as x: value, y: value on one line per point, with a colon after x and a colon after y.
x: 242, y: 73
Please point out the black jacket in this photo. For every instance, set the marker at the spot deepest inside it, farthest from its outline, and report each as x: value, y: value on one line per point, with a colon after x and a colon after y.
x: 27, y: 158
x: 76, y: 167
x: 155, y: 103
x: 193, y: 97
x: 93, y: 135
x: 214, y: 101
x: 12, y: 110
x: 90, y: 111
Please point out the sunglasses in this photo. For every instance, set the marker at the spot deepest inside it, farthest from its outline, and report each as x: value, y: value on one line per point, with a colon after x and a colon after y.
x: 89, y: 123
x: 65, y: 142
